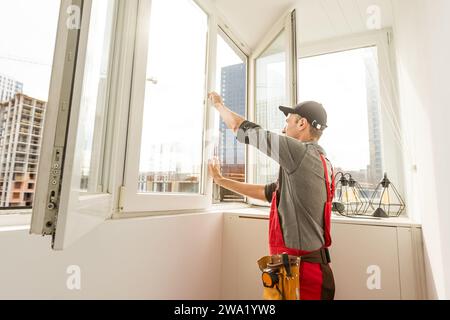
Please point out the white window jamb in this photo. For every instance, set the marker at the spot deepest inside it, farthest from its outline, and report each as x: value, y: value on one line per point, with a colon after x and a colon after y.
x: 242, y: 50
x: 288, y: 24
x: 61, y: 208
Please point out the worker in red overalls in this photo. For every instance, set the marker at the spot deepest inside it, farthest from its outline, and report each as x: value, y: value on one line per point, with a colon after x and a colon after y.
x: 301, y: 199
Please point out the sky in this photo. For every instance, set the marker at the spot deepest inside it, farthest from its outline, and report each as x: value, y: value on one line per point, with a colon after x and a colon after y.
x: 96, y: 72
x: 226, y: 56
x: 174, y: 109
x: 338, y: 81
x: 27, y: 41
x: 27, y: 49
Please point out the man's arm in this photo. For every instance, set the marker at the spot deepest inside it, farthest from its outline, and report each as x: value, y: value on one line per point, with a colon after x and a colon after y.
x: 257, y: 192
x: 286, y: 151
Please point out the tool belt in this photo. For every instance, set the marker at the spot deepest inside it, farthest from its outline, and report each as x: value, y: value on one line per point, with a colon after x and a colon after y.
x: 281, y: 274
x: 321, y: 256
x: 280, y: 277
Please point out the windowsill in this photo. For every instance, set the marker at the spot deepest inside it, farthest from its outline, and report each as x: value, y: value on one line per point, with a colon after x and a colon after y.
x: 263, y: 213
x: 216, y: 208
x: 20, y: 220
x: 402, y: 221
x: 15, y: 220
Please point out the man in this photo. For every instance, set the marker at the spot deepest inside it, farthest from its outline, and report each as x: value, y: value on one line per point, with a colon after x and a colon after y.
x: 302, y: 198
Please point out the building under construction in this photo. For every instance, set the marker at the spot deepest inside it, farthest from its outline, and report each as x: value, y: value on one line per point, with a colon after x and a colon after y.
x: 21, y: 126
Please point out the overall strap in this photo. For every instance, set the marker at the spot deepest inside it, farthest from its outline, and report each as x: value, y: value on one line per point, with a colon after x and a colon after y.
x: 331, y: 187
x: 329, y: 205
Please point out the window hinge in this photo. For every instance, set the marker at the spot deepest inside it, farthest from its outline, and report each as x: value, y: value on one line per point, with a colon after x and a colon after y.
x: 121, y: 198
x: 389, y: 38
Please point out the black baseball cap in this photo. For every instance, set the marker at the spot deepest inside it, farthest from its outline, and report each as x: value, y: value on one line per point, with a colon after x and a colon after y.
x: 312, y: 111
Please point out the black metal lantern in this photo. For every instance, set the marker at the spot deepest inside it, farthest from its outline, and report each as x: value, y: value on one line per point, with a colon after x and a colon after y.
x: 386, y: 200
x: 350, y: 197
x: 362, y: 196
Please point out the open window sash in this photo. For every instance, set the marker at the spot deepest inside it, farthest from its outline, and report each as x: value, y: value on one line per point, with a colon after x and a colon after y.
x: 70, y: 200
x: 278, y: 47
x: 150, y: 187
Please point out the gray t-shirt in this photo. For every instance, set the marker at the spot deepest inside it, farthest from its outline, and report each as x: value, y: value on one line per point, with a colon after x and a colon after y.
x: 302, y: 187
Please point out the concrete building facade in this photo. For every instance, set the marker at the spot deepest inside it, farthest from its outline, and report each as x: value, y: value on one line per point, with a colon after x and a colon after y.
x: 9, y: 87
x: 21, y: 127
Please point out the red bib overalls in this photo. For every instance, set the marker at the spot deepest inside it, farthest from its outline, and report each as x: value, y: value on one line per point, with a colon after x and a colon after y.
x: 316, y: 277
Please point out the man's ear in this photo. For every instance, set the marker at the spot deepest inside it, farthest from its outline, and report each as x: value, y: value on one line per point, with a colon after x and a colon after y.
x: 302, y: 123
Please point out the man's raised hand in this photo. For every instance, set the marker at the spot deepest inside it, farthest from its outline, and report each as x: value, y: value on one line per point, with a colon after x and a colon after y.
x: 215, y: 99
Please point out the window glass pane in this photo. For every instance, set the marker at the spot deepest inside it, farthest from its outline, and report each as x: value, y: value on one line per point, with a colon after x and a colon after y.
x: 28, y: 34
x: 232, y: 78
x: 93, y: 109
x: 271, y: 92
x: 347, y: 83
x: 172, y: 137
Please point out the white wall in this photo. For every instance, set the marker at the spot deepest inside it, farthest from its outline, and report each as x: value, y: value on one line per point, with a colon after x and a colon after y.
x: 422, y: 31
x: 149, y: 258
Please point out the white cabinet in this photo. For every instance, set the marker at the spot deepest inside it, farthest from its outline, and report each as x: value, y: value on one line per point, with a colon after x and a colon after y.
x: 361, y: 251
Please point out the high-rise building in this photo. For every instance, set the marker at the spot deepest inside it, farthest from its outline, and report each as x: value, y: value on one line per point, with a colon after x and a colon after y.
x: 233, y: 91
x: 232, y: 153
x: 375, y: 168
x: 8, y: 88
x: 21, y: 128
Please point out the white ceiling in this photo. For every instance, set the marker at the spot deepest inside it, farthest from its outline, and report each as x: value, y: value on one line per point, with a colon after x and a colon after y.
x: 316, y: 19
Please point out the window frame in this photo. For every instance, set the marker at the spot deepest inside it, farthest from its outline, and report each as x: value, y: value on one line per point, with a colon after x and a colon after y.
x: 238, y: 49
x: 99, y: 165
x: 286, y: 23
x: 130, y: 202
x: 75, y: 212
x: 392, y: 159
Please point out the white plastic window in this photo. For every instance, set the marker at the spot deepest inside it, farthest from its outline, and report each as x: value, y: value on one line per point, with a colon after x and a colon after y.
x: 347, y: 84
